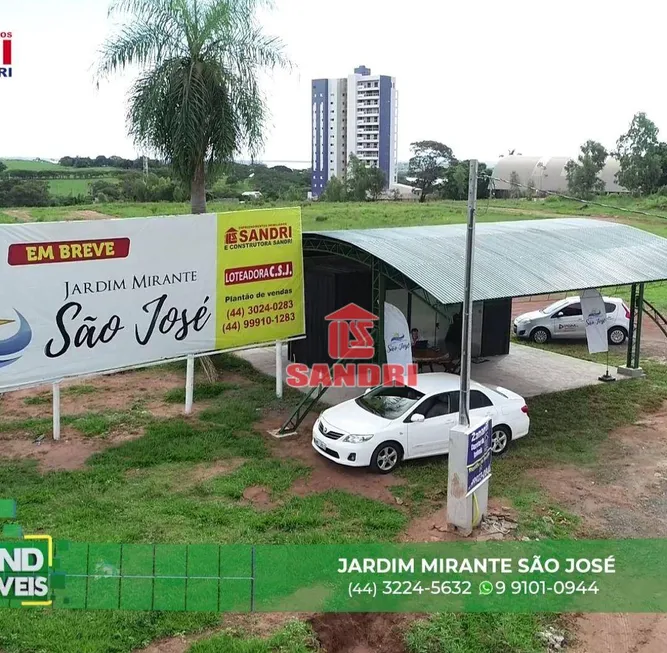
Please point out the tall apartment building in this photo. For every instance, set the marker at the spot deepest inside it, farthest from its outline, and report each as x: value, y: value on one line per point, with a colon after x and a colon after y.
x: 356, y: 115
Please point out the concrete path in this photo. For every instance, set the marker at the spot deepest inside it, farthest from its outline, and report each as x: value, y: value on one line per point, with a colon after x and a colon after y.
x: 525, y: 370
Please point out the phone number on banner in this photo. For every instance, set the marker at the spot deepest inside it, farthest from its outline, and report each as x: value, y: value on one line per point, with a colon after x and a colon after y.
x: 469, y: 588
x: 260, y: 309
x: 256, y: 322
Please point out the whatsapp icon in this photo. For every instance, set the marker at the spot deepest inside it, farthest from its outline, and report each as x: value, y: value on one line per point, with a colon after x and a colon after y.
x: 486, y: 588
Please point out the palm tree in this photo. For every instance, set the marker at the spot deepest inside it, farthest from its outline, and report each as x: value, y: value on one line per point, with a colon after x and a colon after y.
x: 197, y: 101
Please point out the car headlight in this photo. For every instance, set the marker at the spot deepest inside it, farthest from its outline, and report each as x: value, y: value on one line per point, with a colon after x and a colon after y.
x: 356, y: 439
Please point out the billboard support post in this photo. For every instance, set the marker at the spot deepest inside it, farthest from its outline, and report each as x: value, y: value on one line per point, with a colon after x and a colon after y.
x: 189, y: 383
x: 279, y: 369
x: 56, y: 410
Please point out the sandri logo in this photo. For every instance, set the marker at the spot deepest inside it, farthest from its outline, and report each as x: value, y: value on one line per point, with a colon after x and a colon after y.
x: 5, y: 54
x: 13, y: 343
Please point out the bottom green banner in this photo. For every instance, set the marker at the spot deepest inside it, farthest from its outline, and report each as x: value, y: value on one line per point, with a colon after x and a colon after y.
x: 548, y: 576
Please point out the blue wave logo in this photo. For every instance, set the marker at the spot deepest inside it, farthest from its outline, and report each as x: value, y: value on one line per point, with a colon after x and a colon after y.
x: 397, y: 338
x: 14, y: 344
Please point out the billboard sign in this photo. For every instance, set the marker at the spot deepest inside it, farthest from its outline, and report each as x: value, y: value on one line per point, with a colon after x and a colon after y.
x: 84, y: 297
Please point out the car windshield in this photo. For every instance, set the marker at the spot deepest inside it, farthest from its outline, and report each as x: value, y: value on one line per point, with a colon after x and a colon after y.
x: 389, y: 402
x: 555, y: 306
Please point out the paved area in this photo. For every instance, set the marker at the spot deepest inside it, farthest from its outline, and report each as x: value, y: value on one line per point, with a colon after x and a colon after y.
x: 530, y: 371
x: 526, y: 370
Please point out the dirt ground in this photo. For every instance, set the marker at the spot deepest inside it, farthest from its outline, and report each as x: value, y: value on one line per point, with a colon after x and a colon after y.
x: 23, y: 215
x: 70, y: 452
x: 258, y: 625
x: 142, y: 390
x: 88, y: 215
x: 362, y: 633
x: 620, y: 633
x: 335, y: 632
x: 326, y: 475
x: 625, y: 496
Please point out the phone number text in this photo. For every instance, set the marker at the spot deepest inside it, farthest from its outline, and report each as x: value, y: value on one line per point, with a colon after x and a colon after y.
x: 468, y: 588
x: 256, y: 322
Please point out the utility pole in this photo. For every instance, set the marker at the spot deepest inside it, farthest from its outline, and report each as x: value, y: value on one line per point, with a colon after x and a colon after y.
x: 466, y: 341
x: 469, y: 464
x: 145, y: 168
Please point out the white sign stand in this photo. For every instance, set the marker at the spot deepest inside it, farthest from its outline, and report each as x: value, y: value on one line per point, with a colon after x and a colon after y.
x: 467, y: 501
x: 56, y: 411
x: 189, y: 383
x: 279, y: 369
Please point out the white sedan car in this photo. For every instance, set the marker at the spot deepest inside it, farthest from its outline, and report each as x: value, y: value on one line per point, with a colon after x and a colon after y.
x: 390, y: 424
x: 564, y: 319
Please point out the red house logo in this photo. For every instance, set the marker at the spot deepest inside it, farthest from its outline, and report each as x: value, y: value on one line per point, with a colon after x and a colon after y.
x: 350, y: 333
x: 350, y: 338
x: 6, y: 54
x: 231, y: 236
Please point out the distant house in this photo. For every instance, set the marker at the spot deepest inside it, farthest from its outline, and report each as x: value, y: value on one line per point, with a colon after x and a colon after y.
x: 251, y: 195
x: 547, y: 174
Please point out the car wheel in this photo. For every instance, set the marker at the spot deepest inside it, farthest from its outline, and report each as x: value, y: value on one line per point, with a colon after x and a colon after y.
x: 617, y: 335
x: 500, y: 440
x: 386, y: 457
x: 540, y: 335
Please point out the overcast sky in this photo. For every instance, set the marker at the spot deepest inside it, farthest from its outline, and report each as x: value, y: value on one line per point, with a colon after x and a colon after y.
x: 480, y: 76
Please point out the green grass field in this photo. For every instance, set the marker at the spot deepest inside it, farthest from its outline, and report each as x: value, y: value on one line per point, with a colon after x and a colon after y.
x: 319, y: 216
x: 147, y: 490
x: 20, y: 164
x: 69, y: 186
x: 322, y: 216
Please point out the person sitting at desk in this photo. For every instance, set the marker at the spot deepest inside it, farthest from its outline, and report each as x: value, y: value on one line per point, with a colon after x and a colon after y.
x: 453, y: 338
x: 414, y: 335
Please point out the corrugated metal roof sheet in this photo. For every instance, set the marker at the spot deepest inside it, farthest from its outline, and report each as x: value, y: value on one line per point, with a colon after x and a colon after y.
x: 514, y: 259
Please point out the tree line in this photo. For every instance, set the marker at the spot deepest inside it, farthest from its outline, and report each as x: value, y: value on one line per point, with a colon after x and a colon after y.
x: 360, y: 183
x: 230, y: 182
x: 642, y: 158
x: 108, y: 162
x: 437, y: 172
x: 433, y: 171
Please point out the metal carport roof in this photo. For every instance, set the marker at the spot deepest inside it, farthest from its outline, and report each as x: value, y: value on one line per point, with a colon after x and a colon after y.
x: 512, y: 259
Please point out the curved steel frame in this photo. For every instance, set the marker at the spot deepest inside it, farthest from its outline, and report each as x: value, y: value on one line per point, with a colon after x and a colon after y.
x: 380, y: 269
x: 380, y: 273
